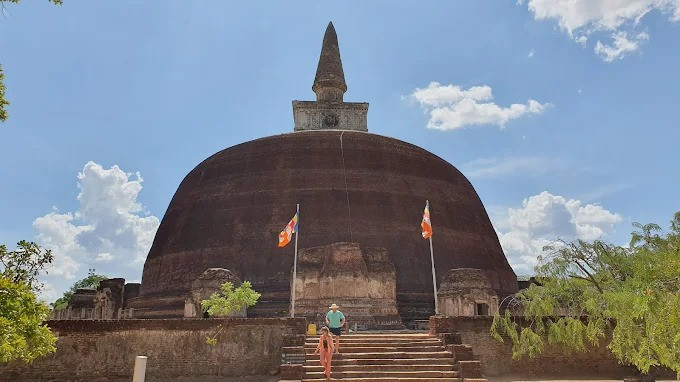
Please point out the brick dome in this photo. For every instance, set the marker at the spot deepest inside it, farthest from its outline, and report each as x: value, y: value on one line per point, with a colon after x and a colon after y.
x: 352, y: 187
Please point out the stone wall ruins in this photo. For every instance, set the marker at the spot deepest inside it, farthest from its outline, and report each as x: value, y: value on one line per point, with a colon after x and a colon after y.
x: 552, y: 363
x: 362, y: 281
x: 106, y: 302
x: 95, y: 351
x: 204, y: 286
x: 467, y: 292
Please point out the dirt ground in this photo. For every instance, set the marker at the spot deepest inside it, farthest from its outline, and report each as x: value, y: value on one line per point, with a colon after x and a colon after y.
x: 511, y: 379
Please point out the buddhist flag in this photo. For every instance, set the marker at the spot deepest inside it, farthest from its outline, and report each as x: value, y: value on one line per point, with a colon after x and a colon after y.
x: 287, y: 233
x: 426, y: 225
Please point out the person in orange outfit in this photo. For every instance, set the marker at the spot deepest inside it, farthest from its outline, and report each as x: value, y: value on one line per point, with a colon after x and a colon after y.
x: 325, y: 349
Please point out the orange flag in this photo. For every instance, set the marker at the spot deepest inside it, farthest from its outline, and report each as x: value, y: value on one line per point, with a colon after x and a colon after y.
x: 287, y: 233
x: 426, y: 225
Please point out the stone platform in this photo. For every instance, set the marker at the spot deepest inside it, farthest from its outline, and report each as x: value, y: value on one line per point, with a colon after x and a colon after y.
x: 362, y: 281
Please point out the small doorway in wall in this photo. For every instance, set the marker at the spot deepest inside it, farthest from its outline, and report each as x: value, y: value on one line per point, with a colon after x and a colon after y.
x: 481, y: 309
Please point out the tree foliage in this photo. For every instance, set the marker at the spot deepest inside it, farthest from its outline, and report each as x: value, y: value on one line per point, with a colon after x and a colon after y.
x: 230, y: 300
x: 24, y: 264
x: 593, y: 292
x: 22, y: 332
x: 3, y: 101
x: 91, y: 281
x: 57, y: 2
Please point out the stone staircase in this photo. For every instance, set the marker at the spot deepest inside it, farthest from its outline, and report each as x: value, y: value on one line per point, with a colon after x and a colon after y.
x: 399, y: 357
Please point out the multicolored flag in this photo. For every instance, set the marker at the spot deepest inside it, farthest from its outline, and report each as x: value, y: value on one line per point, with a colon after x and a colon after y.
x: 287, y: 234
x: 426, y: 225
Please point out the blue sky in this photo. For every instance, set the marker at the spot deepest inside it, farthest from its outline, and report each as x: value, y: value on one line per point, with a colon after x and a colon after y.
x: 156, y: 87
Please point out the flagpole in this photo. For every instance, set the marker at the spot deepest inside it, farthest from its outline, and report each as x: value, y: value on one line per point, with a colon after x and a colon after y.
x: 434, y: 280
x: 434, y: 277
x: 297, y: 224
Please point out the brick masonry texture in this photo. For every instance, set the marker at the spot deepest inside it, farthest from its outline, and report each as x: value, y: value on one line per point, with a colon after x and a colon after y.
x: 96, y: 351
x: 553, y: 362
x: 365, y: 188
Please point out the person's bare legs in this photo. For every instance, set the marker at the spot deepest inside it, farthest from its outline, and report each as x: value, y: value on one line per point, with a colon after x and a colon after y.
x: 326, y: 357
x: 337, y: 344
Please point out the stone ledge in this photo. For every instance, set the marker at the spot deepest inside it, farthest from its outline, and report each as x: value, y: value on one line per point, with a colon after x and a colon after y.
x: 470, y: 369
x: 64, y: 327
x: 292, y: 372
x: 461, y: 352
x: 450, y: 338
x: 294, y: 340
x: 330, y: 105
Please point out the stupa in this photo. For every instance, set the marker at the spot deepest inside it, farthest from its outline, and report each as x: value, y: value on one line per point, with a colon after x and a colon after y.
x: 352, y: 186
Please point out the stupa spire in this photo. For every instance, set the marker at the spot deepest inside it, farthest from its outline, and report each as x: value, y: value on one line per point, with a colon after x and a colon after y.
x: 329, y: 82
x: 329, y: 111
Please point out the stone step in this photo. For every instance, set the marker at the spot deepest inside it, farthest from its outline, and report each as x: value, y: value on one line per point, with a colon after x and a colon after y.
x: 384, y: 374
x: 385, y: 362
x: 351, y: 345
x: 346, y: 349
x: 343, y: 368
x: 357, y: 339
x: 383, y: 335
x: 395, y: 355
x: 375, y: 341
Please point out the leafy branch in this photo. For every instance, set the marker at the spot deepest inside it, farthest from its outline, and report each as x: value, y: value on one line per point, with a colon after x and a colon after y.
x: 4, y: 103
x: 589, y: 292
x: 227, y: 301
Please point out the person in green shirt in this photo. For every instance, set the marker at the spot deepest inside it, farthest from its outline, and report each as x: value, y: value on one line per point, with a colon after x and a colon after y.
x: 335, y: 321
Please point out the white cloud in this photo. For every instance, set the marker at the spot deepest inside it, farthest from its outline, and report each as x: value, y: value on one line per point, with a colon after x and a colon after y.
x: 48, y: 294
x: 56, y: 231
x: 581, y: 18
x: 621, y: 46
x: 110, y: 230
x: 500, y: 167
x: 451, y: 107
x: 103, y: 257
x: 606, y: 190
x: 544, y: 218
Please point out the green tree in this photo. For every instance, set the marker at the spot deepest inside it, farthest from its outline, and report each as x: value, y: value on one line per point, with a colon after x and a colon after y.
x: 229, y: 300
x: 91, y: 281
x: 57, y: 2
x: 3, y: 101
x: 24, y: 264
x: 22, y: 332
x: 590, y: 292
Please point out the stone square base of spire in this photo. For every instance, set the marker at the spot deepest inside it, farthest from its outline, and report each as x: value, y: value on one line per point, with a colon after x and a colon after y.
x: 325, y: 115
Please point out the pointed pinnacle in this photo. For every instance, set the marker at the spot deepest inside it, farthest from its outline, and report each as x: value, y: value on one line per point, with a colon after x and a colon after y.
x: 329, y: 73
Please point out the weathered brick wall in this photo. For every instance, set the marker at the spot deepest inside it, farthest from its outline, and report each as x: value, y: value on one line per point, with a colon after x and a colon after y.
x: 95, y: 351
x: 553, y: 362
